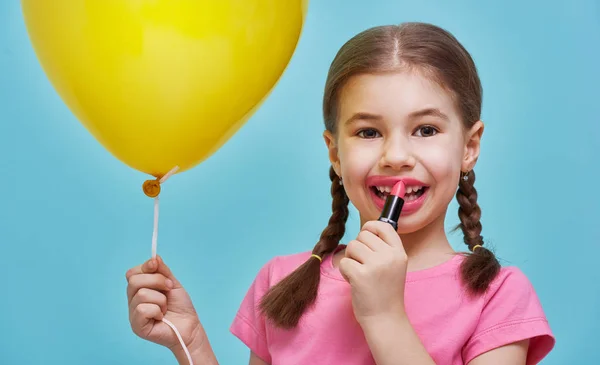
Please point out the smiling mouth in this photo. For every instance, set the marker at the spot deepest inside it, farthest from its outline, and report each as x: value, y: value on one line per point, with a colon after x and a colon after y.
x: 412, y: 192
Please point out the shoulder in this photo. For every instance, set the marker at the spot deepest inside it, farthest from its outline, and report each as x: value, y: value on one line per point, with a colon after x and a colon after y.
x: 512, y: 298
x: 279, y: 267
x: 512, y: 292
x: 511, y: 312
x: 510, y: 284
x: 249, y: 324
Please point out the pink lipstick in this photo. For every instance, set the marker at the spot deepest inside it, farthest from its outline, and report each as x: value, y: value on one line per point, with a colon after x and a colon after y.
x: 393, y: 205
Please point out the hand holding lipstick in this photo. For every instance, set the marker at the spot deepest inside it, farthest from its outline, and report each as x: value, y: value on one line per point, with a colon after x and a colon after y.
x: 375, y: 267
x: 375, y: 264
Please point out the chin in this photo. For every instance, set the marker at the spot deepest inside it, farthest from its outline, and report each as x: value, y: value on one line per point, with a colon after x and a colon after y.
x: 412, y: 223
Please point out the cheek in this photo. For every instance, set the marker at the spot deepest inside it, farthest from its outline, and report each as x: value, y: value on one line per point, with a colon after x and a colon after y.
x: 356, y: 162
x: 443, y: 161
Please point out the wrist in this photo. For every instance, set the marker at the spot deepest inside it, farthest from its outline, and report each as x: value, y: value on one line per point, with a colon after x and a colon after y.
x: 199, y: 349
x: 383, y: 320
x: 392, y: 340
x: 383, y: 331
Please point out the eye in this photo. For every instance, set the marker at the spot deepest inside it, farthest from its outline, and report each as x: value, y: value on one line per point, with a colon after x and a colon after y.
x: 427, y: 131
x: 368, y: 133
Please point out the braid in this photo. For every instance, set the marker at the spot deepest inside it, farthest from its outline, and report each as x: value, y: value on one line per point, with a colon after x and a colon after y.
x: 481, y: 266
x: 469, y: 211
x: 333, y: 233
x: 285, y: 302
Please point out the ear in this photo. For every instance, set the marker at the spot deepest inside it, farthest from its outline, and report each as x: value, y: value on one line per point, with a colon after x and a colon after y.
x: 472, y: 146
x: 331, y: 144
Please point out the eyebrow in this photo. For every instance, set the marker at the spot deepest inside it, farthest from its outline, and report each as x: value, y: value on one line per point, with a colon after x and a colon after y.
x: 363, y: 116
x: 432, y: 112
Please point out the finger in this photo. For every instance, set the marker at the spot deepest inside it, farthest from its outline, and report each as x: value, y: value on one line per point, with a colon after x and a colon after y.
x: 145, y: 295
x: 349, y: 268
x: 372, y: 241
x: 385, y: 231
x: 166, y: 271
x: 150, y: 281
x: 144, y: 313
x: 358, y: 251
x: 147, y: 267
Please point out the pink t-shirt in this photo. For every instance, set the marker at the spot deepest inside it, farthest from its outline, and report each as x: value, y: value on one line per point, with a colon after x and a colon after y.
x: 453, y: 327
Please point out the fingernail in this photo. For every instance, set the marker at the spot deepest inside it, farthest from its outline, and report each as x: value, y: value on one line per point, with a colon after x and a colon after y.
x: 169, y: 283
x: 152, y: 264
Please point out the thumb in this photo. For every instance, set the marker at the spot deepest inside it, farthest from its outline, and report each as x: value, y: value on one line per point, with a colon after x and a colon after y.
x: 348, y: 267
x: 166, y: 271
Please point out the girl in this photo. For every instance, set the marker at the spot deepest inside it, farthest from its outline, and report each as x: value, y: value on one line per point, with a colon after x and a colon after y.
x: 401, y: 103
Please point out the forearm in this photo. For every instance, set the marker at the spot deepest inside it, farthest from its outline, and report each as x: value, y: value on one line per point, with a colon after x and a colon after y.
x: 201, y: 353
x: 393, y: 341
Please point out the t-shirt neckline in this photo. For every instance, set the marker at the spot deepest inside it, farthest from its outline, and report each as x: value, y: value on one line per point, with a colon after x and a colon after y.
x: 449, y: 265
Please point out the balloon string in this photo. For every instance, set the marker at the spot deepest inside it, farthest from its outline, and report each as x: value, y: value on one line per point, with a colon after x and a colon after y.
x: 154, y: 246
x: 155, y: 231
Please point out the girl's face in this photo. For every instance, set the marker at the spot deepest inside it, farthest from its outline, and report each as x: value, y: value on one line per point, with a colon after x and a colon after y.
x: 401, y: 126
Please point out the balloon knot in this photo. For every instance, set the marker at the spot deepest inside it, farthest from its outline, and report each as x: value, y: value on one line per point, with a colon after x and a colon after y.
x: 151, y: 188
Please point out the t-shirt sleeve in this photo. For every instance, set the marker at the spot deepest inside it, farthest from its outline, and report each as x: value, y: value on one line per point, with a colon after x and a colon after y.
x: 249, y: 323
x: 512, y: 312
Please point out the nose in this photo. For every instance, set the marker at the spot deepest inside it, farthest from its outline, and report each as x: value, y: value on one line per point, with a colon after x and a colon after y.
x: 397, y: 155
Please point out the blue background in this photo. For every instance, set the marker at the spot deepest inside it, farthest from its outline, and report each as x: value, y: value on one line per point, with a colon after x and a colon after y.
x: 73, y: 219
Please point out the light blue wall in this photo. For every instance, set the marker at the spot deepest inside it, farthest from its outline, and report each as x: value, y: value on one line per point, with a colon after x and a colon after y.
x: 73, y: 219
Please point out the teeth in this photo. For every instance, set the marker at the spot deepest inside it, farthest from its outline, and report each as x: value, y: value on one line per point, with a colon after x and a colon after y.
x: 411, y: 197
x: 388, y: 189
x: 384, y: 189
x: 413, y: 189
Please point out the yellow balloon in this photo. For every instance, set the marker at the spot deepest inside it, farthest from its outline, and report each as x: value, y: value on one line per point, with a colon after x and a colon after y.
x: 164, y: 83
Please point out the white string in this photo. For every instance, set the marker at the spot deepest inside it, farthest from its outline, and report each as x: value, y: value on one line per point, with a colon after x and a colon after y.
x: 154, y: 245
x: 155, y: 231
x: 187, y: 353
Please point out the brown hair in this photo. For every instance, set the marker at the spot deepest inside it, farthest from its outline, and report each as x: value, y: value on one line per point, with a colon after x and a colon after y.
x: 436, y: 54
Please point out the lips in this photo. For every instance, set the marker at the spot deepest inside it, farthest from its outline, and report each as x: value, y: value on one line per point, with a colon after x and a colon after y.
x: 381, y: 186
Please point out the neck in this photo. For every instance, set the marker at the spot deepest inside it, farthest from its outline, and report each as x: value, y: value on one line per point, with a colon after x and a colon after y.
x: 428, y: 246
x: 429, y: 239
